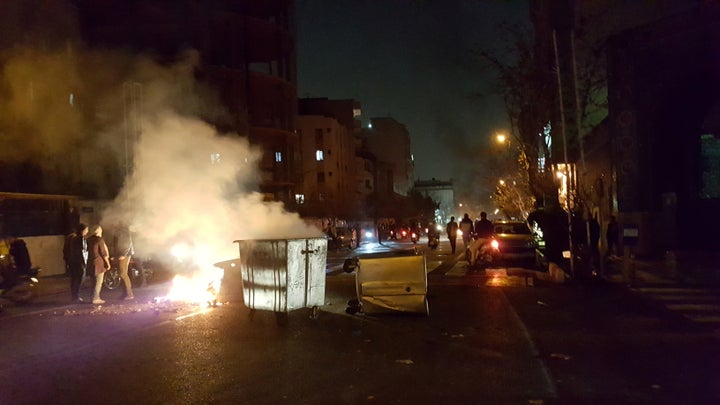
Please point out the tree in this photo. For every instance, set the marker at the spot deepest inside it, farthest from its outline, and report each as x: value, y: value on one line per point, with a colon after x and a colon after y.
x: 528, y: 97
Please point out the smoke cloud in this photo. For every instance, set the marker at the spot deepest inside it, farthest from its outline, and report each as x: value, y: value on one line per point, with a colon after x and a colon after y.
x: 121, y: 121
x: 192, y: 185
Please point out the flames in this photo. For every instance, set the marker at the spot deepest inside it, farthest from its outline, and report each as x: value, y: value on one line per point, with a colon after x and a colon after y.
x: 197, y: 280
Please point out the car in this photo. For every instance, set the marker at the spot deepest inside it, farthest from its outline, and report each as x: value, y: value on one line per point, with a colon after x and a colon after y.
x: 516, y: 241
x: 343, y: 238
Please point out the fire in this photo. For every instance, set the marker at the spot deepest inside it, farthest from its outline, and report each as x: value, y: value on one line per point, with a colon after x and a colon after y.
x: 200, y: 283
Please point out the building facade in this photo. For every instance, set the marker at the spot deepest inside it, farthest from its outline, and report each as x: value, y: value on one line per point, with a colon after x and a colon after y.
x: 328, y: 157
x: 243, y: 82
x: 389, y: 141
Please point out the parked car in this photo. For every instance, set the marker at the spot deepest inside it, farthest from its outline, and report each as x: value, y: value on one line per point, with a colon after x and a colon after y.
x: 343, y: 238
x: 516, y: 241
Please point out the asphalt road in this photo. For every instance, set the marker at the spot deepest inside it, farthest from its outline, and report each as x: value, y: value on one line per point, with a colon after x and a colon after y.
x: 490, y: 338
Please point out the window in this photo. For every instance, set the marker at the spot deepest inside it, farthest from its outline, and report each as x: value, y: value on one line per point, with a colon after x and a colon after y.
x: 321, y: 196
x: 300, y: 199
x: 214, y: 158
x: 278, y: 157
x: 329, y: 174
x: 367, y: 184
x: 318, y: 137
x: 321, y: 178
x: 319, y: 155
x: 329, y: 152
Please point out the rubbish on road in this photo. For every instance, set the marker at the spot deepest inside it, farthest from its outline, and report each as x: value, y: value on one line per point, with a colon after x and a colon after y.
x: 457, y: 336
x: 390, y: 282
x: 405, y: 361
x: 560, y: 356
x: 282, y: 275
x: 542, y: 304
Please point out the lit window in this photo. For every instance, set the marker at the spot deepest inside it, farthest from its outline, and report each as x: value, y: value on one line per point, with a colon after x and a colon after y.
x: 214, y: 158
x: 319, y: 155
x: 278, y: 157
x: 300, y: 199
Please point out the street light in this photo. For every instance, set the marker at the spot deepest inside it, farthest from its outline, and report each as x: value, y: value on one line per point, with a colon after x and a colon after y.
x: 501, y: 138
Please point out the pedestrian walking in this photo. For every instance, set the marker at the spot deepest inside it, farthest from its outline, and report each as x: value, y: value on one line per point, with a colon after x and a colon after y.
x: 466, y: 226
x: 75, y: 254
x: 98, y: 261
x: 451, y: 229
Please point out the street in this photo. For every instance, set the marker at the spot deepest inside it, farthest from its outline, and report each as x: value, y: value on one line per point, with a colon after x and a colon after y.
x: 485, y: 341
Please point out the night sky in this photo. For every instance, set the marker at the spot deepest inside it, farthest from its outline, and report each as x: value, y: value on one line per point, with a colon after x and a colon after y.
x: 411, y: 60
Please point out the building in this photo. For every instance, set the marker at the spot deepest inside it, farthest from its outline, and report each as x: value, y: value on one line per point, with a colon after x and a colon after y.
x: 649, y: 156
x: 328, y: 157
x: 327, y: 130
x: 243, y: 81
x: 389, y: 141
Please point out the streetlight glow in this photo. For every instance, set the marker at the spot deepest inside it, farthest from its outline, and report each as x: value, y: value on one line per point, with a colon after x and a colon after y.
x: 501, y: 138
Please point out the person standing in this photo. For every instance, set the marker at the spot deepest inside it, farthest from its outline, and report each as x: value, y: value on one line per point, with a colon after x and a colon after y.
x: 98, y: 260
x: 122, y: 248
x: 75, y: 255
x: 466, y: 226
x: 451, y: 229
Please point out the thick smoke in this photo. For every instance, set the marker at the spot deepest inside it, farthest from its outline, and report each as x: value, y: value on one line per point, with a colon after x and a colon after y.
x: 187, y: 187
x: 123, y: 121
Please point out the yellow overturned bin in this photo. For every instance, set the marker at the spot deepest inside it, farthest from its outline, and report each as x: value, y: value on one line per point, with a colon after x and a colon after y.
x: 282, y: 275
x: 390, y: 282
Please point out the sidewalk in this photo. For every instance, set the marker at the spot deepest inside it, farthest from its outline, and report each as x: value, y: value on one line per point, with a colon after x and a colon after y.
x: 688, y: 269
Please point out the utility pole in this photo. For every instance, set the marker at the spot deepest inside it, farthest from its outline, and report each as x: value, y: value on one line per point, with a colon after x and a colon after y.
x: 565, y: 152
x: 132, y: 125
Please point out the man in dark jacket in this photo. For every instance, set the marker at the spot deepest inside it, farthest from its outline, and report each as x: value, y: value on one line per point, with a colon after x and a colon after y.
x: 451, y: 229
x: 75, y: 255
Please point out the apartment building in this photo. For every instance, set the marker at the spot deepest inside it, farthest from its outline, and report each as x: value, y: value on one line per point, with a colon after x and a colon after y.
x: 327, y: 151
x: 389, y: 141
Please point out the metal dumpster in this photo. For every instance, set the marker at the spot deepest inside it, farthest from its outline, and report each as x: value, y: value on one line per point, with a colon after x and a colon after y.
x: 391, y: 282
x: 282, y: 275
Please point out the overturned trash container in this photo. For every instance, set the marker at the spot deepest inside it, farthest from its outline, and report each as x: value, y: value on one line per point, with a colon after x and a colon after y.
x: 282, y: 275
x: 393, y: 282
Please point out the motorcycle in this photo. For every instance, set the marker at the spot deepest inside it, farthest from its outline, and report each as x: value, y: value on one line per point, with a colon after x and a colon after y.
x: 433, y: 241
x: 21, y: 290
x: 112, y: 278
x: 481, y: 253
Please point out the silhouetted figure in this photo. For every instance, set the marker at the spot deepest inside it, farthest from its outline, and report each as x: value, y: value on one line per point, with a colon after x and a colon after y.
x: 451, y: 229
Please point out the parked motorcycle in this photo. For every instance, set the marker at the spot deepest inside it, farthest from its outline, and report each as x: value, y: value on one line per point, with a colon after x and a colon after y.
x: 112, y: 278
x: 20, y: 288
x: 482, y: 253
x: 18, y: 279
